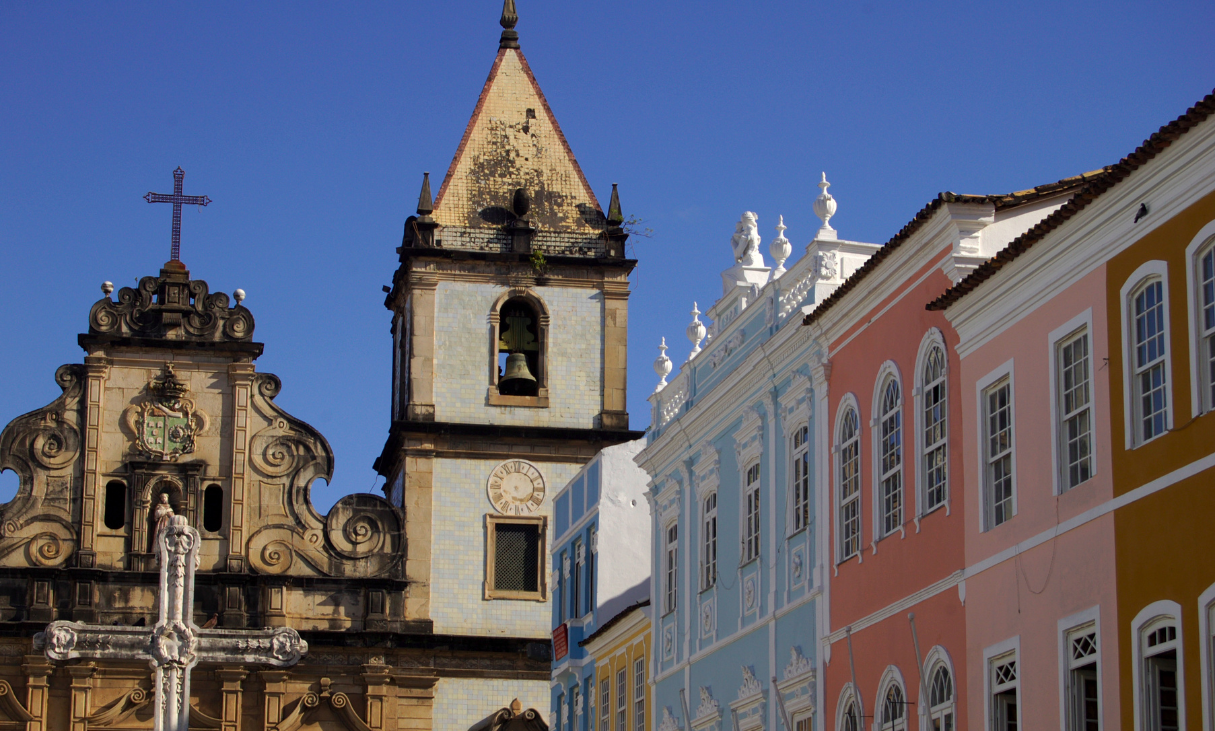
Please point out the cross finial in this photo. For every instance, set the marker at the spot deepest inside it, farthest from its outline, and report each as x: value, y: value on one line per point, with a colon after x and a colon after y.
x: 510, y: 37
x: 177, y: 199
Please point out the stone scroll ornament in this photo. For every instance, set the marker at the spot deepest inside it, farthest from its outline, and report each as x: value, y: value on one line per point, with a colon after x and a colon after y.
x: 175, y: 644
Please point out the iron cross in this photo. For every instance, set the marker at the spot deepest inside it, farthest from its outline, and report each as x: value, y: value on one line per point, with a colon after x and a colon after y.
x: 177, y: 199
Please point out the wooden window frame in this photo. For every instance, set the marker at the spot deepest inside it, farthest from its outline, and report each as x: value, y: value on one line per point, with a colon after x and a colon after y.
x: 491, y: 535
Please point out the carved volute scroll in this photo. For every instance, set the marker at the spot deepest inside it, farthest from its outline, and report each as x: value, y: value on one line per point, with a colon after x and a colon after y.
x: 363, y: 535
x: 42, y: 447
x: 172, y: 306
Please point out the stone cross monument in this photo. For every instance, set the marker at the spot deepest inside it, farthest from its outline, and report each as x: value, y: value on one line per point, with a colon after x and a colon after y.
x: 174, y: 645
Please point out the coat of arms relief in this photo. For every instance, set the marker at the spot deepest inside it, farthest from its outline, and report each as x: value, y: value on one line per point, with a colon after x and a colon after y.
x: 166, y: 423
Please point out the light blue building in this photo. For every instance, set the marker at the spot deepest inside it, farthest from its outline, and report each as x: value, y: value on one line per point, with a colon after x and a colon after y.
x: 738, y: 585
x: 601, y: 566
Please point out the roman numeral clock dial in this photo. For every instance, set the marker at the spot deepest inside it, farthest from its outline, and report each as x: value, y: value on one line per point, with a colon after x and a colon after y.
x: 515, y: 488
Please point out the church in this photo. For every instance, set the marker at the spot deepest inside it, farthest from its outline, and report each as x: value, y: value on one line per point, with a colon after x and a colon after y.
x: 425, y: 608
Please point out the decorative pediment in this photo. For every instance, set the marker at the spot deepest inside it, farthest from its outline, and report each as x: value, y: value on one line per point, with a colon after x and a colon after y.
x: 708, y: 708
x: 171, y: 307
x: 795, y: 404
x: 798, y: 664
x: 707, y: 469
x: 668, y: 721
x: 750, y: 686
x: 748, y: 440
x: 749, y: 708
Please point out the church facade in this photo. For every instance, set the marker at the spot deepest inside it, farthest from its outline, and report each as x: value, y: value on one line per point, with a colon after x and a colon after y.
x: 426, y: 608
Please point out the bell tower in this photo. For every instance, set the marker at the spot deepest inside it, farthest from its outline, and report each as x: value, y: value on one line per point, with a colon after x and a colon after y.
x: 509, y: 335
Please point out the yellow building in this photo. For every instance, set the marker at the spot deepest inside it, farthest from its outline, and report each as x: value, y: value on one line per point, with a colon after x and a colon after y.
x: 620, y: 650
x: 1161, y: 308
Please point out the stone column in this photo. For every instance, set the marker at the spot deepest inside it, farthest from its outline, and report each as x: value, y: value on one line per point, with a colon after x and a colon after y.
x: 97, y: 369
x: 230, y: 677
x: 240, y: 375
x: 422, y: 293
x: 418, y: 506
x: 82, y: 689
x: 37, y: 669
x: 379, y: 708
x: 276, y: 688
x: 615, y: 354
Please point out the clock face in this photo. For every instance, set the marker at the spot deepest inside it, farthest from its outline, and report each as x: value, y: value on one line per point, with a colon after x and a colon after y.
x: 515, y: 488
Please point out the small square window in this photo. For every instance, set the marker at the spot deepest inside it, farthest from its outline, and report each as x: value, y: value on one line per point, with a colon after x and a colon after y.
x: 514, y: 557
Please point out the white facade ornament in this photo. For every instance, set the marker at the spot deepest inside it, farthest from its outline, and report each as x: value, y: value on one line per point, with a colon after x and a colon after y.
x: 780, y: 249
x: 696, y: 332
x: 174, y: 645
x: 750, y: 685
x: 798, y: 664
x: 745, y: 241
x: 769, y: 312
x: 828, y: 266
x: 708, y: 706
x: 662, y: 366
x: 733, y: 343
x: 825, y: 207
x: 668, y: 721
x: 749, y: 592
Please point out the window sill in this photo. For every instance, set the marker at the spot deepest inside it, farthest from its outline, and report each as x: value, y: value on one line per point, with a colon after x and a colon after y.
x: 795, y: 533
x: 536, y: 402
x: 748, y: 562
x: 523, y: 596
x: 708, y: 588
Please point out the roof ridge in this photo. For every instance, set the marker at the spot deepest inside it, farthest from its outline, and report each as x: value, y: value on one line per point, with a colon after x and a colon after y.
x: 1094, y: 187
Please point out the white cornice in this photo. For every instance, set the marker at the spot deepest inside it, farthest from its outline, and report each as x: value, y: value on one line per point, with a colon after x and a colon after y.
x: 637, y: 620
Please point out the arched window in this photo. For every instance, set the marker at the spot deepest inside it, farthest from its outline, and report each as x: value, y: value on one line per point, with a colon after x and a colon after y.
x: 115, y: 505
x: 1158, y: 670
x: 848, y: 475
x: 940, y: 699
x: 213, y: 508
x: 518, y: 348
x: 934, y: 425
x: 1145, y: 320
x: 889, y: 452
x: 708, y: 557
x: 849, y: 712
x: 894, y: 707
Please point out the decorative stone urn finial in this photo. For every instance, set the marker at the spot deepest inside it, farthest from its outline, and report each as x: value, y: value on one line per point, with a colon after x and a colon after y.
x: 780, y: 249
x: 825, y: 207
x: 696, y: 331
x: 510, y: 37
x: 662, y: 366
x: 107, y: 288
x: 239, y: 295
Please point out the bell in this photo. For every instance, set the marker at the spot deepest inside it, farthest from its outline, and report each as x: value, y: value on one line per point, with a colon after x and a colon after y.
x: 516, y: 369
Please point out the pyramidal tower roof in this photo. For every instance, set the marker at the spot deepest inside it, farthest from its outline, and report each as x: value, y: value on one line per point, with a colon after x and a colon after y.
x: 513, y: 141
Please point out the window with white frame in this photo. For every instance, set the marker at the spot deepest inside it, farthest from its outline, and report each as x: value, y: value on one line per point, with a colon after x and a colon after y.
x: 560, y: 714
x: 894, y: 716
x: 672, y: 567
x: 751, y: 525
x: 1083, y: 694
x: 802, y: 723
x: 1149, y: 376
x: 998, y: 452
x: 940, y: 700
x: 575, y: 707
x: 1205, y: 289
x: 563, y: 572
x: 890, y: 457
x: 708, y: 551
x: 849, y: 475
x: 589, y: 695
x: 934, y: 443
x: 592, y: 542
x: 576, y: 579
x: 1161, y: 696
x: 850, y: 717
x: 639, y: 693
x: 801, y: 478
x: 605, y: 704
x: 622, y: 699
x: 1004, y: 681
x: 1075, y: 409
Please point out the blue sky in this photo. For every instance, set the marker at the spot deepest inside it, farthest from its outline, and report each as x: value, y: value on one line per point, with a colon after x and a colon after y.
x: 309, y: 124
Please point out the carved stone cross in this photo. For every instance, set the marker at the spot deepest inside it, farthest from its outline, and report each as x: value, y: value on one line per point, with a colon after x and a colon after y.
x: 174, y: 645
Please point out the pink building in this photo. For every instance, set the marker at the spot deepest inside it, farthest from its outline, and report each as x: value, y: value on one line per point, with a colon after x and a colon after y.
x: 893, y: 457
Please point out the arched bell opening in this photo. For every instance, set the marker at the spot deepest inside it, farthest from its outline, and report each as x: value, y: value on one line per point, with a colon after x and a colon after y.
x: 519, y: 341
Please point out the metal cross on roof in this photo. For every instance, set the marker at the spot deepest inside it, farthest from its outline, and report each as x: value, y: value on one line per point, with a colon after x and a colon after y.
x: 177, y: 199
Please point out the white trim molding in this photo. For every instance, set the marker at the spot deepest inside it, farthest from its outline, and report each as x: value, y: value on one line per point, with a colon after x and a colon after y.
x: 889, y: 371
x: 1200, y: 403
x: 847, y: 402
x: 1146, y: 272
x: 1206, y: 608
x: 999, y: 651
x: 1069, y: 627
